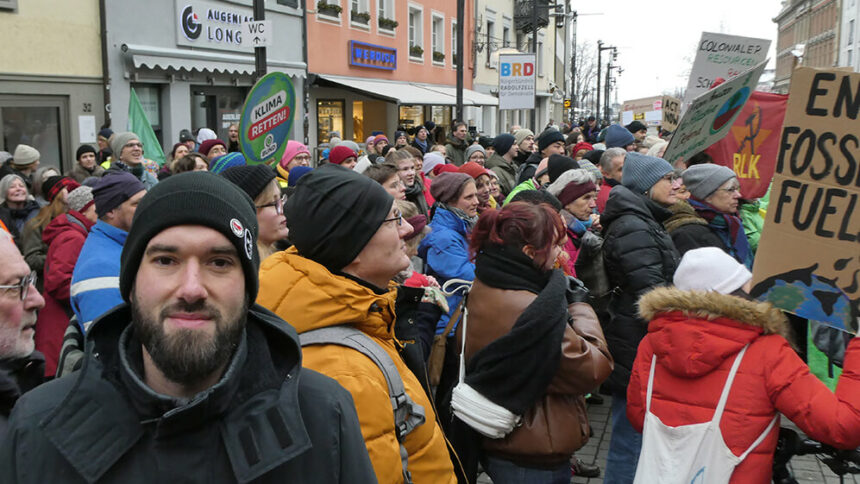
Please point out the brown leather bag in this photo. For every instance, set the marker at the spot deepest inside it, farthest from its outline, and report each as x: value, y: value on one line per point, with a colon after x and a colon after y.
x: 436, y: 360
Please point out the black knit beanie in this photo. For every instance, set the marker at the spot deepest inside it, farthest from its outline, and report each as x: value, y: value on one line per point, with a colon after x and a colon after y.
x: 558, y: 164
x: 333, y: 214
x: 252, y: 179
x: 84, y: 149
x: 502, y: 143
x: 193, y: 198
x: 549, y: 137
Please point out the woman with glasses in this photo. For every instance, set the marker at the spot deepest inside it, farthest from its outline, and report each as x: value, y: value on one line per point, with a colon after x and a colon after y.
x: 258, y: 181
x: 714, y: 196
x: 638, y: 255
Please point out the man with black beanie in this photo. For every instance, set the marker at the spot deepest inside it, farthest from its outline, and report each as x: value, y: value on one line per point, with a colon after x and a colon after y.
x: 501, y: 162
x: 86, y: 165
x: 550, y: 142
x: 348, y: 245
x: 187, y: 369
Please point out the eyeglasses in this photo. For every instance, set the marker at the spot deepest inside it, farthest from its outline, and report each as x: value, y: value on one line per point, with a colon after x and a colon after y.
x: 671, y: 177
x: 731, y: 189
x: 22, y: 288
x: 398, y: 217
x: 278, y: 204
x: 134, y: 145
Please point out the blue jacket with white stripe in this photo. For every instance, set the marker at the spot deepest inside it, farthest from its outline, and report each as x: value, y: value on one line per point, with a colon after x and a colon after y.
x: 95, y: 281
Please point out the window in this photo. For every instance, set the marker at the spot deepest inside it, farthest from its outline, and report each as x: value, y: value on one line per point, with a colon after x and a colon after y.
x: 437, y: 33
x: 385, y: 10
x: 289, y: 3
x: 416, y: 33
x: 329, y: 118
x: 39, y: 121
x: 359, y: 13
x: 329, y: 13
x: 489, y: 40
x: 851, y: 32
x: 540, y: 57
x: 9, y: 5
x: 850, y: 59
x: 506, y: 36
x: 454, y: 43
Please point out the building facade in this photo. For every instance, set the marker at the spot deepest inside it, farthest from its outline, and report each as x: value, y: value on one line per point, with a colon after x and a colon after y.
x: 51, y: 94
x: 376, y: 65
x: 849, y: 44
x: 186, y: 62
x: 808, y: 35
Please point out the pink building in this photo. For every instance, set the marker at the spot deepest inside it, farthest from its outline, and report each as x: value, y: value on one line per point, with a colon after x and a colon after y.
x: 375, y: 65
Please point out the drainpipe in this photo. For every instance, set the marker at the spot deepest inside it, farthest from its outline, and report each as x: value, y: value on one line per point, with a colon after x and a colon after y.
x: 105, y: 75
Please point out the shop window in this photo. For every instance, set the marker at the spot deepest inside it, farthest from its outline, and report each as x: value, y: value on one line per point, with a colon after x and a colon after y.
x: 441, y: 115
x: 358, y: 123
x: 35, y: 123
x: 438, y: 39
x: 329, y: 118
x: 150, y: 100
x: 411, y: 116
x: 416, y: 33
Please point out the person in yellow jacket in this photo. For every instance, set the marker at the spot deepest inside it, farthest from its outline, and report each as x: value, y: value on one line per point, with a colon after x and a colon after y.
x: 348, y: 245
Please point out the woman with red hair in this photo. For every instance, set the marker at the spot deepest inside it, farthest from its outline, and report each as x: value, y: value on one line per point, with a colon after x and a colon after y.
x: 532, y: 349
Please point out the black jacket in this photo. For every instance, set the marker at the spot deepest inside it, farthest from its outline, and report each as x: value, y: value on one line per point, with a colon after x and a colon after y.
x: 266, y: 420
x: 415, y: 327
x: 528, y: 170
x: 16, y: 377
x: 638, y: 255
x: 690, y: 231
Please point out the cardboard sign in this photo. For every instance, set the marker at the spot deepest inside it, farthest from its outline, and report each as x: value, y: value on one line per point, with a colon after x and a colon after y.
x: 517, y: 81
x: 654, y: 111
x: 721, y: 55
x: 711, y: 115
x: 752, y: 145
x: 671, y: 113
x: 808, y: 259
x: 267, y: 118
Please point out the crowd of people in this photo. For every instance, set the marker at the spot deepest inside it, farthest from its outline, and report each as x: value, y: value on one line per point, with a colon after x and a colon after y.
x: 406, y: 312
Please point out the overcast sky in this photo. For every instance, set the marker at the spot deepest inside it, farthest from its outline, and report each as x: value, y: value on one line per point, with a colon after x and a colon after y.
x: 657, y: 41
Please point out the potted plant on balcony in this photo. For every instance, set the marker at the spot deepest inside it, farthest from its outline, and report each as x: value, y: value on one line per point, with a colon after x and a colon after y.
x: 360, y: 17
x: 416, y: 51
x: 387, y: 23
x: 438, y: 56
x: 328, y: 9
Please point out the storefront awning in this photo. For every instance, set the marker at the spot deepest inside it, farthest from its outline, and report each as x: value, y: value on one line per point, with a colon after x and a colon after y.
x: 410, y: 92
x: 191, y: 60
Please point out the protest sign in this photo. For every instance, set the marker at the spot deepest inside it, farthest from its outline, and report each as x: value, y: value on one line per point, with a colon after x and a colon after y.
x: 721, y: 55
x: 808, y: 259
x: 711, y: 115
x: 516, y: 81
x: 751, y: 147
x: 654, y: 111
x: 267, y: 118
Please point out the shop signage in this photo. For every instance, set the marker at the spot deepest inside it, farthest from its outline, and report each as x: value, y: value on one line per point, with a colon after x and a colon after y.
x: 807, y: 261
x: 721, y: 55
x: 362, y: 54
x: 710, y: 116
x: 267, y: 118
x: 516, y: 81
x: 212, y: 25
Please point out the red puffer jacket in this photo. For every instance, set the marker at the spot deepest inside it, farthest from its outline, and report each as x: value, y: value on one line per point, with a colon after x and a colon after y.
x: 64, y: 236
x: 696, y: 337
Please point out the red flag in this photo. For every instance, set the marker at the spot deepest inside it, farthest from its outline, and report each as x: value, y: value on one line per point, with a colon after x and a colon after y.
x: 752, y: 145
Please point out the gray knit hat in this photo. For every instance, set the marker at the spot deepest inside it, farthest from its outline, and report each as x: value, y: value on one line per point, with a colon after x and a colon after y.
x: 79, y: 198
x: 25, y: 155
x: 703, y: 180
x: 641, y: 172
x: 119, y: 140
x: 522, y: 134
x: 472, y: 149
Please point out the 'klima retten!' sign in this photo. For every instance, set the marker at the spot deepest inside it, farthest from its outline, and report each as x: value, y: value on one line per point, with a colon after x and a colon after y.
x: 374, y: 56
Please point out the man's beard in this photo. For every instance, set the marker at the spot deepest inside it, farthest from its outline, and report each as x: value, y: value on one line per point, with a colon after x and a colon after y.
x: 13, y: 344
x: 188, y: 356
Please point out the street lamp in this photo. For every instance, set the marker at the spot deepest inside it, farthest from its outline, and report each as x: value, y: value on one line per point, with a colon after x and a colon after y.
x: 600, y: 49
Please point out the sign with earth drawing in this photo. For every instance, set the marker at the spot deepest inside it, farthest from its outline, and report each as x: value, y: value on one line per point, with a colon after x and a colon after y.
x: 711, y: 115
x: 808, y: 259
x: 267, y: 118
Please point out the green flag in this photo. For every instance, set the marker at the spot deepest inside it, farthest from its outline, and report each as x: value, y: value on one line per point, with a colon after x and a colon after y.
x: 139, y: 125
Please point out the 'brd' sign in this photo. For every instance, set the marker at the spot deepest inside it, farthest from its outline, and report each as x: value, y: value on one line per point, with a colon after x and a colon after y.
x: 267, y: 118
x: 517, y: 81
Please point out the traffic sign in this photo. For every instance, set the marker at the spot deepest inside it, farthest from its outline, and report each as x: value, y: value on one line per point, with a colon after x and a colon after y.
x: 257, y: 33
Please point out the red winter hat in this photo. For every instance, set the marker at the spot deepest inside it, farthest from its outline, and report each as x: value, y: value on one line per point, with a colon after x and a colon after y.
x: 340, y: 153
x: 582, y: 145
x: 473, y: 169
x: 209, y: 144
x: 444, y: 168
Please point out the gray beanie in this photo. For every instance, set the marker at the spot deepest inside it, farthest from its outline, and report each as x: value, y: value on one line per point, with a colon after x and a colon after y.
x: 5, y: 156
x: 472, y: 149
x: 350, y: 144
x: 119, y: 140
x: 79, y: 198
x: 703, y: 180
x: 641, y: 172
x: 522, y: 134
x: 25, y: 155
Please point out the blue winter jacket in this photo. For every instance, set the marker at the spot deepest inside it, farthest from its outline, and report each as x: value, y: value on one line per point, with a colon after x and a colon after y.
x: 446, y: 256
x: 95, y: 280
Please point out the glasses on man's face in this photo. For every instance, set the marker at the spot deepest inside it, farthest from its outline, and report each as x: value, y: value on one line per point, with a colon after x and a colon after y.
x: 134, y: 145
x: 398, y: 217
x: 22, y: 288
x: 278, y: 204
x: 671, y: 178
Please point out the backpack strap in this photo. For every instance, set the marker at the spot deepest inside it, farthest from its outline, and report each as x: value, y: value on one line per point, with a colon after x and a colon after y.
x: 408, y: 415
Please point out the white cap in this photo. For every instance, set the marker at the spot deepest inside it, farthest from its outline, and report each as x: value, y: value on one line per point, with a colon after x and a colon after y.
x: 710, y: 269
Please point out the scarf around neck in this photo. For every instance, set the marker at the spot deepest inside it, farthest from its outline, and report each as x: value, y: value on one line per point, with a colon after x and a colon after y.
x: 470, y: 221
x: 730, y: 226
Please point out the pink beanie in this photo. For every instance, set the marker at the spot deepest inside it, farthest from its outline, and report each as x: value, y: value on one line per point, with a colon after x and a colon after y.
x: 294, y: 148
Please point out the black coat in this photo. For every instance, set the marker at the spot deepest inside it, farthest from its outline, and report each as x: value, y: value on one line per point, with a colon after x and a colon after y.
x: 527, y: 170
x: 17, y: 377
x: 690, y: 231
x: 415, y: 327
x: 638, y: 255
x: 267, y: 420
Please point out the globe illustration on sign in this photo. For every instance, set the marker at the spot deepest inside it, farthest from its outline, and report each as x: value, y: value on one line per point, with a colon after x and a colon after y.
x: 730, y: 108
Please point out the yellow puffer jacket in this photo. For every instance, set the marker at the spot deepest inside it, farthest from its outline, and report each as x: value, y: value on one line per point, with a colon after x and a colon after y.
x: 308, y: 296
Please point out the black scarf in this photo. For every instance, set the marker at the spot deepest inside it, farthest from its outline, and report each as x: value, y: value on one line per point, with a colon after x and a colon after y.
x: 515, y: 370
